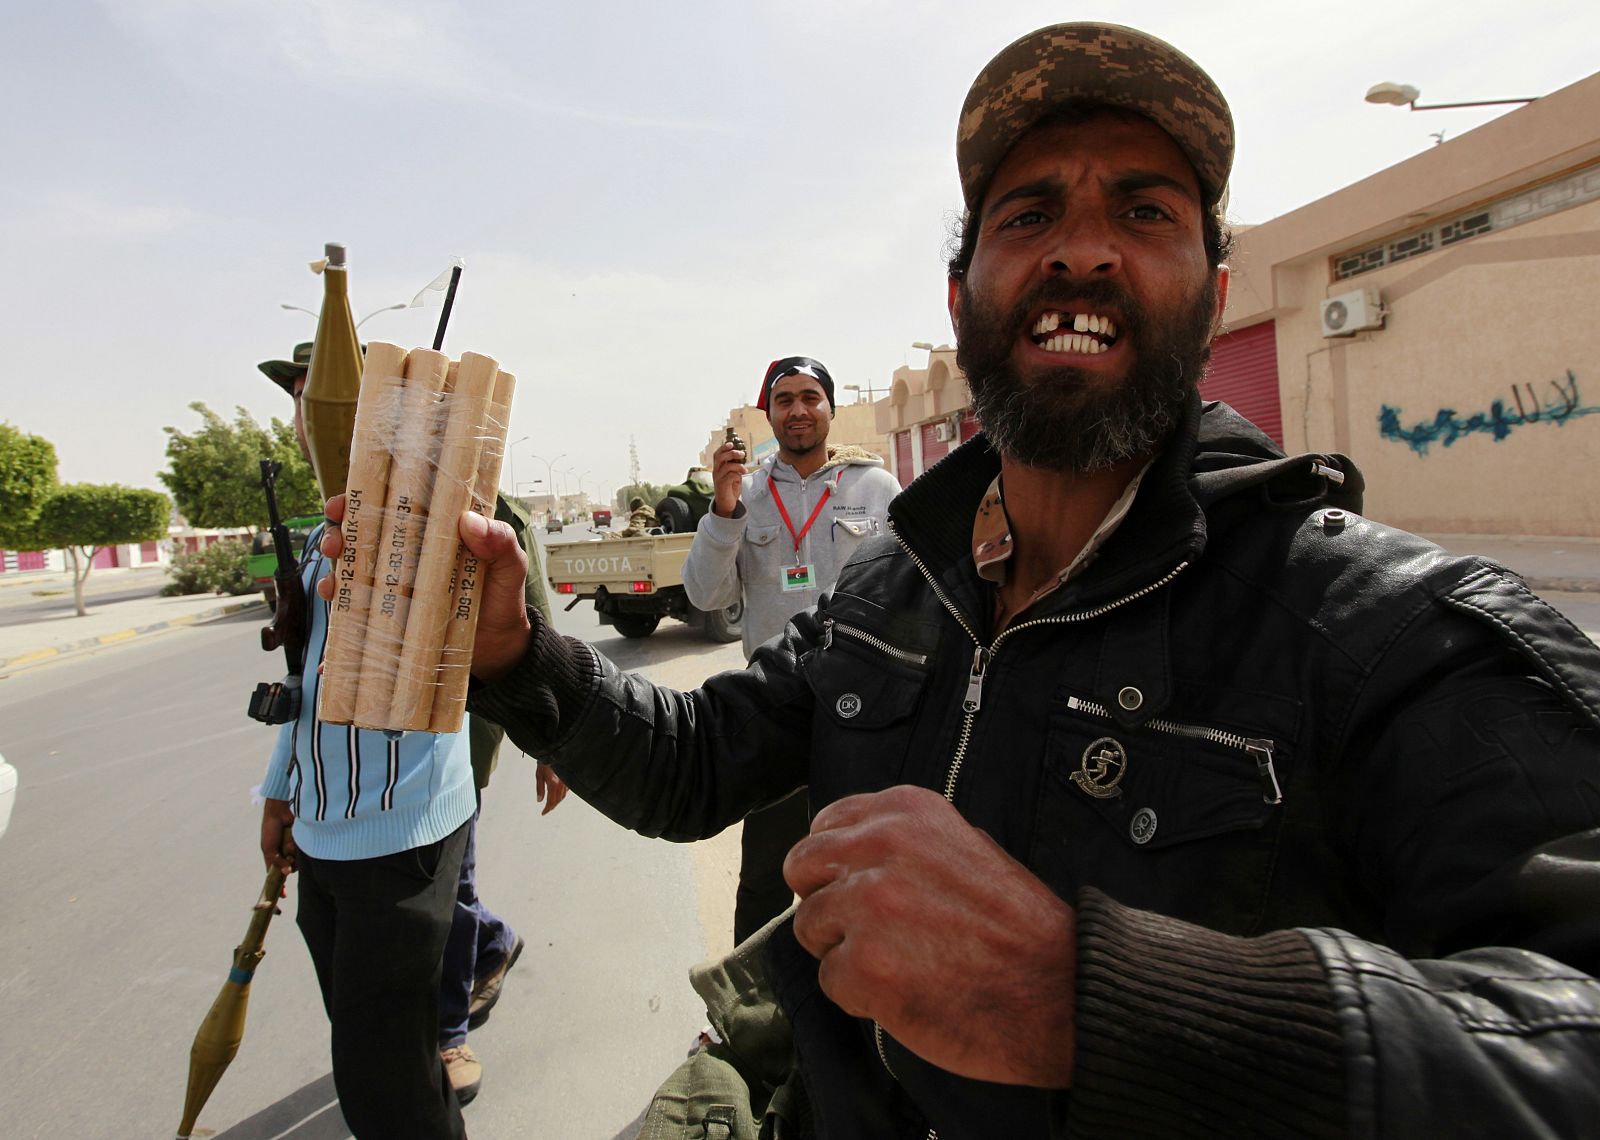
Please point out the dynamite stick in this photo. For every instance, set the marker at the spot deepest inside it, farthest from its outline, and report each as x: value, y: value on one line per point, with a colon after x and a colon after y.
x: 450, y: 696
x: 431, y: 602
x: 377, y: 420
x: 405, y: 513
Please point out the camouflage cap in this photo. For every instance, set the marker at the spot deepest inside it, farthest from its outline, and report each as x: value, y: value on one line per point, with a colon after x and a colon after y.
x: 1093, y: 63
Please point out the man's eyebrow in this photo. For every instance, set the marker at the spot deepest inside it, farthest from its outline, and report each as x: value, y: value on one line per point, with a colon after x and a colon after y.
x: 1134, y: 181
x: 1128, y: 182
x: 1038, y: 188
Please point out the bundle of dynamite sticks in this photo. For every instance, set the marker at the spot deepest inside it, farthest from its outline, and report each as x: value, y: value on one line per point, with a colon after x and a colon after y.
x: 429, y: 437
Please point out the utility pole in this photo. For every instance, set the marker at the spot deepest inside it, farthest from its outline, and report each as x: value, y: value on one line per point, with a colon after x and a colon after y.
x: 633, y: 461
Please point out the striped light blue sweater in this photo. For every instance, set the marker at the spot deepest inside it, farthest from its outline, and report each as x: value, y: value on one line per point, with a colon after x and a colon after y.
x: 356, y: 794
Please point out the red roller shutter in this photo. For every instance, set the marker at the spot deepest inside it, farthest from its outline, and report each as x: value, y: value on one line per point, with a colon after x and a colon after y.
x: 902, y: 458
x: 1244, y: 375
x: 969, y: 425
x: 933, y: 448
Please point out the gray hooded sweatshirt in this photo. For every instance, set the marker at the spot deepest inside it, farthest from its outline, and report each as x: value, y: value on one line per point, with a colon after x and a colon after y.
x: 753, y: 554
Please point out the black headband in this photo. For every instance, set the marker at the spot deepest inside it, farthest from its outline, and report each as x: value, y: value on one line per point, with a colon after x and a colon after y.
x: 794, y: 366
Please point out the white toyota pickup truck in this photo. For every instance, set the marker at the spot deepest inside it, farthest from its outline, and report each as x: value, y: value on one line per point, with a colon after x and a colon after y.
x: 634, y: 582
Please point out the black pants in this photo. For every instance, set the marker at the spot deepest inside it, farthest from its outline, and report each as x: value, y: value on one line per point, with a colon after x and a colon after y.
x: 376, y: 929
x: 768, y: 835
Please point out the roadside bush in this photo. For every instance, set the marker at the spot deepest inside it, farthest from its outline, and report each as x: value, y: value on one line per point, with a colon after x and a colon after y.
x: 221, y: 568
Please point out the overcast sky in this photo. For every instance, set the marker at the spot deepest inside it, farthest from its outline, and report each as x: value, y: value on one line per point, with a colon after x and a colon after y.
x: 653, y: 200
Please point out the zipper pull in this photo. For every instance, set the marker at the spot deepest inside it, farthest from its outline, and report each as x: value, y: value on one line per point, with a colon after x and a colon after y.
x: 827, y: 633
x: 974, y: 698
x: 1261, y: 752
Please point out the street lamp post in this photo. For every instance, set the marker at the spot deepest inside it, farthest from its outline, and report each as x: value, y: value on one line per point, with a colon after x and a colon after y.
x: 549, y: 471
x: 385, y: 309
x: 1405, y: 95
x: 858, y: 390
x: 511, y: 454
x: 362, y: 321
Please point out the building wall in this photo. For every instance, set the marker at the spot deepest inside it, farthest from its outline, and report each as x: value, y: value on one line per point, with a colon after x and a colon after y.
x: 853, y: 424
x: 1476, y: 408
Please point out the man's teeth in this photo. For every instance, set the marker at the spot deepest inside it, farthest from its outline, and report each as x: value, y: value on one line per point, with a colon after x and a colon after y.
x: 1081, y: 322
x: 1070, y: 342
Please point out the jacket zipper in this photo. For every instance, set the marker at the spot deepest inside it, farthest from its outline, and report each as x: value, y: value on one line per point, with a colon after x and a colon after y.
x: 1257, y: 749
x: 830, y: 626
x: 982, y: 658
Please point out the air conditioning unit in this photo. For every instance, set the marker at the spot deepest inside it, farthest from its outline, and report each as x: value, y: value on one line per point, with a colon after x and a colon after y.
x: 944, y: 431
x: 1352, y: 312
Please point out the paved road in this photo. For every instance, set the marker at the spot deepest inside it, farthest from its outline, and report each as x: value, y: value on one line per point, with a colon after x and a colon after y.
x: 130, y: 866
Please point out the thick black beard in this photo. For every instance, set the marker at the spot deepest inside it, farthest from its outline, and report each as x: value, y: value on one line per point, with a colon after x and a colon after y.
x: 1063, y: 421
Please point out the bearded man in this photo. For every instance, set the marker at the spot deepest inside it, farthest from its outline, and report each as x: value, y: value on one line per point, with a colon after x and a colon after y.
x: 1155, y: 791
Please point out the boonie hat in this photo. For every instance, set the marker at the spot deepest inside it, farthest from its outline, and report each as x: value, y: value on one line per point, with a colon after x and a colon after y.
x: 1093, y: 63
x: 284, y: 373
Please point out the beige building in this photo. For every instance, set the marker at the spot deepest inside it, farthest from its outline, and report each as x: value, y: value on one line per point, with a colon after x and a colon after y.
x: 852, y: 424
x: 1436, y: 322
x: 926, y: 413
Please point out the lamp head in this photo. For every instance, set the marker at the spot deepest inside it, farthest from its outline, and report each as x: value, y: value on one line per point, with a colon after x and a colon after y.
x: 1397, y: 94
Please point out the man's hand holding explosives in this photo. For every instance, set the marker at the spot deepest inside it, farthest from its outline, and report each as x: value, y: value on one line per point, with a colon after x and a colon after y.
x: 503, y: 628
x: 919, y: 919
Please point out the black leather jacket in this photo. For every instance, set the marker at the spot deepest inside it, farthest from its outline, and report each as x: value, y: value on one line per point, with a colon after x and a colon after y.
x: 1327, y: 800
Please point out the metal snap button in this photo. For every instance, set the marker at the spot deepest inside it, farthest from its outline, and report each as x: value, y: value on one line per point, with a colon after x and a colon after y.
x: 1333, y: 520
x: 1143, y: 827
x: 847, y: 705
x: 1129, y: 697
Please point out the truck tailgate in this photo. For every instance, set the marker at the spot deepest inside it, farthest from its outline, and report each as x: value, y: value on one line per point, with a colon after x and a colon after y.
x: 616, y: 563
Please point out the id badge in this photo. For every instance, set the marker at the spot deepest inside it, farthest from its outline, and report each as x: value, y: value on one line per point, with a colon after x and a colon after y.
x: 802, y: 577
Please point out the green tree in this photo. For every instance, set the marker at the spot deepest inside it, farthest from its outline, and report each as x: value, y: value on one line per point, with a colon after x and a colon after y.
x: 215, y: 473
x: 27, y: 476
x: 651, y: 493
x: 83, y: 517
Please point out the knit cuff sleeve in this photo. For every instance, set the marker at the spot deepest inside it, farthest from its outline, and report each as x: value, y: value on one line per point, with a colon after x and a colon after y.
x: 541, y: 693
x: 1182, y: 1031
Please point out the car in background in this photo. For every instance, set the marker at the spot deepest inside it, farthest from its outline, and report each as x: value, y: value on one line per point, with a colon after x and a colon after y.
x: 8, y: 792
x: 264, y: 560
x: 553, y: 524
x: 602, y: 519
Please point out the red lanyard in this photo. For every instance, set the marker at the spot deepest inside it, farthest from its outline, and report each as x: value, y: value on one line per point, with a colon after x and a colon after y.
x: 783, y: 511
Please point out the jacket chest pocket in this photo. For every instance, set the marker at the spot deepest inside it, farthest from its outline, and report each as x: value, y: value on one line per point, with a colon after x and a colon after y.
x: 867, y: 689
x: 1177, y: 816
x: 762, y: 536
x: 852, y: 528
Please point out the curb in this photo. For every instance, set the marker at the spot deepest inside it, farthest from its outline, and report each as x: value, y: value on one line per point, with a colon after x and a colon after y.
x: 34, y: 657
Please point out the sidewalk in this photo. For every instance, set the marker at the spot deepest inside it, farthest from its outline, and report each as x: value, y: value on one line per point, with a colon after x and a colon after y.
x: 63, y: 633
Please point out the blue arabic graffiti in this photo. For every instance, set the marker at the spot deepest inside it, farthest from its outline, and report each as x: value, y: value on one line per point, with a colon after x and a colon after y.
x: 1499, y: 421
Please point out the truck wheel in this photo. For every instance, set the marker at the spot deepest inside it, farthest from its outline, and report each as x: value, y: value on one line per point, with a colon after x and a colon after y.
x: 674, y: 516
x: 635, y: 625
x: 725, y: 624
